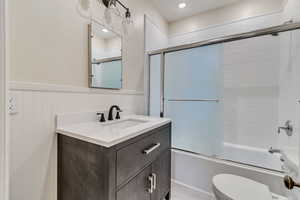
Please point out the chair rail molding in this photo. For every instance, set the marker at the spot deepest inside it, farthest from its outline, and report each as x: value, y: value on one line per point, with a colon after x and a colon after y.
x: 4, y: 175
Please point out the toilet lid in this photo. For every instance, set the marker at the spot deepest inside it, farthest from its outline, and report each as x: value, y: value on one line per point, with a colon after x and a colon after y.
x: 240, y: 188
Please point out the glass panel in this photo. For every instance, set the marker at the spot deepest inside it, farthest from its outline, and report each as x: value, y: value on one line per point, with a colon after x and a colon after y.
x: 193, y: 73
x: 108, y: 74
x: 196, y: 126
x: 252, y: 96
x: 289, y: 93
x: 155, y: 85
x: 256, y: 81
x: 105, y: 55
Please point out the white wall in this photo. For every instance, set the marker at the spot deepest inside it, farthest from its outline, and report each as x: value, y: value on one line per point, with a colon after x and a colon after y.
x: 292, y: 10
x: 155, y: 37
x: 62, y: 34
x: 221, y: 30
x: 48, y: 60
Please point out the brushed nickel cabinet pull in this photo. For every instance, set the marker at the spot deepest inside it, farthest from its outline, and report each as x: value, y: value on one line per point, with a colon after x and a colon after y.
x: 149, y: 150
x: 150, y: 179
x: 154, y: 181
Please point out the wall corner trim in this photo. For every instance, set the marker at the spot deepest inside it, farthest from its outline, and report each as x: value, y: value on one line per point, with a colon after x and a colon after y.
x: 4, y: 126
x: 45, y: 87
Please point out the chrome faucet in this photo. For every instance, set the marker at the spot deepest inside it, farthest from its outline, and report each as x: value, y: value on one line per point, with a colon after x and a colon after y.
x: 110, y: 114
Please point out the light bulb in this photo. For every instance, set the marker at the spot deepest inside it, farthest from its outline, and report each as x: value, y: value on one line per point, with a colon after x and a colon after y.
x: 182, y: 5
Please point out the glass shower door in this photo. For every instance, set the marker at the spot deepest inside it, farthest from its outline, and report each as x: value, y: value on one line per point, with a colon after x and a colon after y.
x: 192, y: 95
x: 155, y: 85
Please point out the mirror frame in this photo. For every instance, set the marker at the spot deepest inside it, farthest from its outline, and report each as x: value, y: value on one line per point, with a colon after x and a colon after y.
x: 90, y: 64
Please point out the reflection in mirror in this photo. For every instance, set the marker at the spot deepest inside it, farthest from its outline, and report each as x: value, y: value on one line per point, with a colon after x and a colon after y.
x: 105, y: 58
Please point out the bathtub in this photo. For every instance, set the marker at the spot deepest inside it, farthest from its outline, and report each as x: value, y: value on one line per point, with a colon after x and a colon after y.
x: 196, y: 171
x: 251, y: 156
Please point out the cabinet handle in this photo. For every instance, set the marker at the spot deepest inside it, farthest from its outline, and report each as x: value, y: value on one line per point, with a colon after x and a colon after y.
x: 150, y: 179
x: 149, y: 150
x: 154, y: 181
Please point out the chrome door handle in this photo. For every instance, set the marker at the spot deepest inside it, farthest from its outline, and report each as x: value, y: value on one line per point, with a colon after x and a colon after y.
x: 149, y: 150
x: 290, y: 183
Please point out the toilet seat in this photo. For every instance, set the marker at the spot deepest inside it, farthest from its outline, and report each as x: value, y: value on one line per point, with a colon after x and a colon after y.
x: 232, y: 187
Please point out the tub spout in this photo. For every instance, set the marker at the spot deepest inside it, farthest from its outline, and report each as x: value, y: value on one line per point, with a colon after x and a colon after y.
x: 271, y: 150
x: 288, y: 165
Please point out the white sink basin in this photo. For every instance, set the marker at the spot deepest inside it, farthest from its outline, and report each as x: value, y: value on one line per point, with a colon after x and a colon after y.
x: 125, y: 123
x: 86, y: 127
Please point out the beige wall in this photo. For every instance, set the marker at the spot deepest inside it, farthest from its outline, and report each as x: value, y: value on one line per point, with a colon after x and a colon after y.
x: 233, y: 12
x: 48, y: 42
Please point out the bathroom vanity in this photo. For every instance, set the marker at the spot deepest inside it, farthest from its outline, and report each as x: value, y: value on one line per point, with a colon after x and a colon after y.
x: 128, y: 159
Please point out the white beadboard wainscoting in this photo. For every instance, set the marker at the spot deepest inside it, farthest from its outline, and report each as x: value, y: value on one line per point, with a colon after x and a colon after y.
x: 33, y: 139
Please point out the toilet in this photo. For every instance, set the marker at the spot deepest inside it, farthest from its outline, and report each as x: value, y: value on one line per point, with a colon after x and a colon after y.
x: 232, y: 187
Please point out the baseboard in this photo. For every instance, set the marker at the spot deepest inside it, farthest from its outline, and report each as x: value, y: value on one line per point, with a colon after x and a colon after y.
x: 205, y: 195
x: 44, y: 87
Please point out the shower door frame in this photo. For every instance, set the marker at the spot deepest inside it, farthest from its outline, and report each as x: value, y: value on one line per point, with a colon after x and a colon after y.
x: 4, y: 142
x: 274, y: 30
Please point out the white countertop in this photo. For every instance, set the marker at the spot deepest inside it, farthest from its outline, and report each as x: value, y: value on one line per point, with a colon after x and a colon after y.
x: 86, y: 127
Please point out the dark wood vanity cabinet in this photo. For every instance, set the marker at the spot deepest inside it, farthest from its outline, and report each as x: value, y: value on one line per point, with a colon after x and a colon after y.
x: 137, y: 169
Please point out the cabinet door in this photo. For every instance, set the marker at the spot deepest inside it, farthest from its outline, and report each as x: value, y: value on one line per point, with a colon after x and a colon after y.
x: 162, y: 169
x: 137, y: 188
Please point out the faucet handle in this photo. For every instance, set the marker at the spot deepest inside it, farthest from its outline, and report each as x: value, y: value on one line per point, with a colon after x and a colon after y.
x: 101, y: 116
x: 118, y: 114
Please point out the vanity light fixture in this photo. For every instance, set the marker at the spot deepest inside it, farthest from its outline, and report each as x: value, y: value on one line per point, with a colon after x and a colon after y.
x: 182, y: 5
x: 112, y: 8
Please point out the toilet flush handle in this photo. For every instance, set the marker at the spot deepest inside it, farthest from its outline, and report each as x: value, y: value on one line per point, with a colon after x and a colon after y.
x: 290, y: 183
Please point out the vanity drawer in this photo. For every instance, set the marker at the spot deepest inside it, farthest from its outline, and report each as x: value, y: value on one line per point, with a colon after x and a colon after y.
x: 134, y: 157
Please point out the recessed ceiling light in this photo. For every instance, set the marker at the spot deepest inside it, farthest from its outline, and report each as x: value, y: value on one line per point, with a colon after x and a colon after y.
x: 105, y: 30
x: 182, y: 5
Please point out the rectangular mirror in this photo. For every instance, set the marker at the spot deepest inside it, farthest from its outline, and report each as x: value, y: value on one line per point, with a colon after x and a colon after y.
x: 105, y: 57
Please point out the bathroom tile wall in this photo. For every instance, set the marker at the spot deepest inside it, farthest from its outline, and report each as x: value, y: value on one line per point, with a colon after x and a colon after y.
x: 251, y: 91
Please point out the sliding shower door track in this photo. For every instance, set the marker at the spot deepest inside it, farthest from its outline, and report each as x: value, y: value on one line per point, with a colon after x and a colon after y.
x: 274, y: 30
x: 214, y: 100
